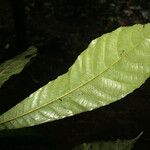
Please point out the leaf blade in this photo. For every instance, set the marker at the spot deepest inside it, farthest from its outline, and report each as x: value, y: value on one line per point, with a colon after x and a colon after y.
x: 93, y: 81
x: 109, y: 145
x: 16, y: 64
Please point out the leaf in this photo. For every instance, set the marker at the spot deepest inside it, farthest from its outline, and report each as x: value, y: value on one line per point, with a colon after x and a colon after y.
x: 109, y: 145
x: 15, y: 65
x: 110, y: 68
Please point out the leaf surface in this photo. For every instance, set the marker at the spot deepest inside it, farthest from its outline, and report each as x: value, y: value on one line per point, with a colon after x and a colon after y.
x: 109, y: 145
x: 15, y: 65
x: 110, y: 68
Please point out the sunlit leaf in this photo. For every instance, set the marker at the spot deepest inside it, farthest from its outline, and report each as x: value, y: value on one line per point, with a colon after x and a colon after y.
x: 112, y: 66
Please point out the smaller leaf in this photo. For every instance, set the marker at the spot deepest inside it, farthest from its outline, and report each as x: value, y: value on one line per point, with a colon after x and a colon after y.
x: 16, y: 65
x: 109, y: 145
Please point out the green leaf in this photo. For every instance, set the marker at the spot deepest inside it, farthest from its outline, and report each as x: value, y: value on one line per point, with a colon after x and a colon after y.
x: 15, y: 65
x: 110, y: 68
x: 109, y: 145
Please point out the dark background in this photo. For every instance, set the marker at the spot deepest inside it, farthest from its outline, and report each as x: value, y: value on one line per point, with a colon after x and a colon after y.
x: 61, y: 30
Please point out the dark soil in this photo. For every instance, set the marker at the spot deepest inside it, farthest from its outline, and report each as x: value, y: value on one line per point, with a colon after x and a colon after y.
x: 61, y: 30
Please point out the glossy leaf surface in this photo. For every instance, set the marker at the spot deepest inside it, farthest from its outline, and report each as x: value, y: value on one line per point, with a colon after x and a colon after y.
x: 110, y: 68
x: 15, y: 65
